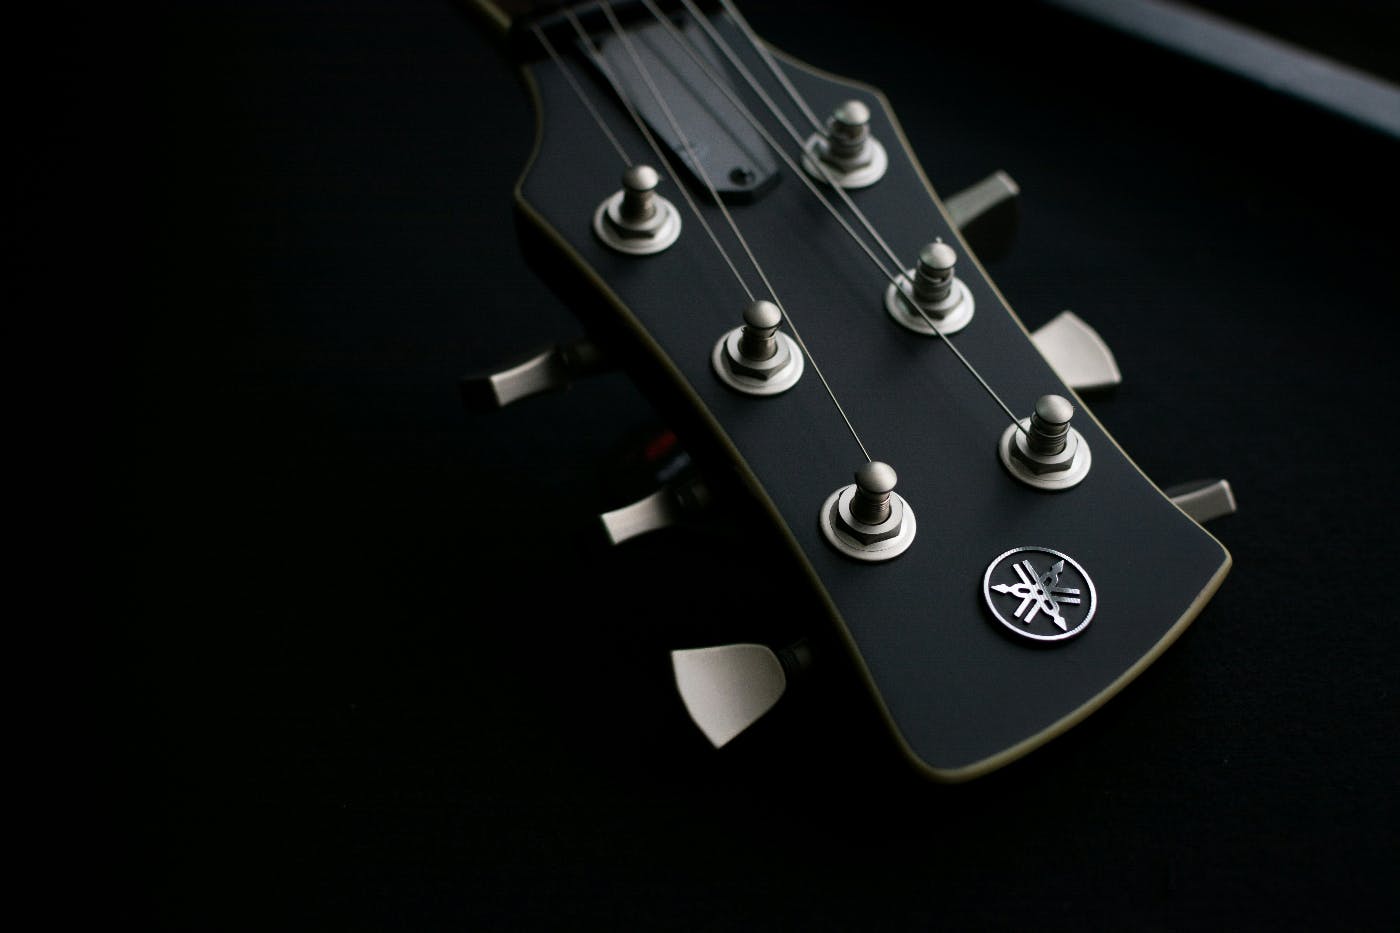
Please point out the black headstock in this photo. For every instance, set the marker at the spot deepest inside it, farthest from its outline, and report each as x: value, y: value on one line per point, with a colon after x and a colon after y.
x: 1021, y: 599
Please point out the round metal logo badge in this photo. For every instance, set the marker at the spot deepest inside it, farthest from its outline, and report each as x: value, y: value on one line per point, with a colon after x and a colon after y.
x: 1040, y: 594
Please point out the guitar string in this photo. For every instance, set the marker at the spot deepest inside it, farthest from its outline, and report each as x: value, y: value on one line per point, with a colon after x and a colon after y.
x: 578, y: 92
x: 646, y: 134
x: 773, y: 67
x: 776, y: 111
x: 894, y: 279
x: 734, y: 227
x: 728, y: 51
x: 686, y: 44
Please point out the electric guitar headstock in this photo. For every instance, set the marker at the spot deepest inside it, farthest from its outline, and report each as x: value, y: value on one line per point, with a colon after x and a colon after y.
x: 755, y: 240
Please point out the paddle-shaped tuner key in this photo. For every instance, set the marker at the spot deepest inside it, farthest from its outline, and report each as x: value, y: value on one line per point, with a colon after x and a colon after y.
x: 670, y: 505
x: 549, y: 370
x: 1077, y: 353
x: 1204, y: 499
x: 728, y: 688
x: 986, y: 213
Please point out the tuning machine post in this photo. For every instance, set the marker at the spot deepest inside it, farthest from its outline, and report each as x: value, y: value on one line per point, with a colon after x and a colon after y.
x: 1044, y: 450
x: 635, y: 219
x: 847, y: 155
x: 758, y: 358
x: 868, y: 520
x: 930, y: 299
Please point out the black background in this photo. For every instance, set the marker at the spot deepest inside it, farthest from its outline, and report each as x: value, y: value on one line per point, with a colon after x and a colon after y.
x: 364, y: 665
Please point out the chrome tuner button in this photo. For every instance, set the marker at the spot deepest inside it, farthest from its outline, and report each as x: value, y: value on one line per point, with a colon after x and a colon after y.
x: 1044, y: 451
x: 636, y: 220
x: 868, y: 520
x: 757, y: 358
x: 1204, y: 499
x: 727, y: 688
x: 1077, y: 353
x: 847, y: 155
x: 930, y: 295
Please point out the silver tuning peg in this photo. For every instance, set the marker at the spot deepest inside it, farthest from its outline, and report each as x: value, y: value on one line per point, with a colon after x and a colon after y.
x: 669, y: 505
x: 1077, y: 353
x: 547, y: 370
x: 728, y: 688
x: 1204, y: 499
x: 986, y: 213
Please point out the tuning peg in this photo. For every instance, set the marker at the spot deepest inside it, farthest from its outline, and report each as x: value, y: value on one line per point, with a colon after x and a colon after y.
x: 986, y: 213
x: 930, y: 299
x: 867, y: 519
x: 548, y: 370
x: 1204, y: 499
x: 847, y: 154
x: 728, y: 688
x: 635, y: 219
x: 1077, y: 353
x: 1043, y: 450
x: 757, y: 358
x: 669, y: 505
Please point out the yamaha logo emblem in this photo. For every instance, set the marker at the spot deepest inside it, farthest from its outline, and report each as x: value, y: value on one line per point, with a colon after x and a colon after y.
x: 1040, y: 594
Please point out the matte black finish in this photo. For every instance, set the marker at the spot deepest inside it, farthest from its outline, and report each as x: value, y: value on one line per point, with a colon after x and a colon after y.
x: 324, y: 696
x: 958, y: 691
x: 734, y: 157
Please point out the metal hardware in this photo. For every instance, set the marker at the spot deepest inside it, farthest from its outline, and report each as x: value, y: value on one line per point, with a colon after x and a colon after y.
x: 986, y: 214
x: 666, y: 507
x: 1040, y: 594
x: 549, y: 370
x: 935, y: 289
x: 636, y: 220
x: 1077, y: 353
x: 868, y: 520
x: 1204, y: 499
x: 851, y: 157
x: 757, y: 358
x: 1045, y: 451
x: 729, y: 687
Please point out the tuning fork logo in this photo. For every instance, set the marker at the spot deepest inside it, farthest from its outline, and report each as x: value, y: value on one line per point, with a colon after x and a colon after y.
x: 1038, y: 593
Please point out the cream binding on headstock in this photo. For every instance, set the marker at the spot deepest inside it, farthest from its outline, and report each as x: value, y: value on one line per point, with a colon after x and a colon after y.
x: 838, y: 196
